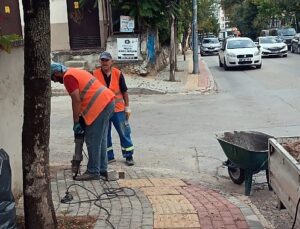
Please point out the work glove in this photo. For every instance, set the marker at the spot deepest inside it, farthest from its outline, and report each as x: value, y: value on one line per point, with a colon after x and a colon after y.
x: 127, y: 112
x: 77, y: 128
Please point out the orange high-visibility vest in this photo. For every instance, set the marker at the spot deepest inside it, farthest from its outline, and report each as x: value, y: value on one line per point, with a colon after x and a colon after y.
x: 94, y: 95
x: 114, y: 86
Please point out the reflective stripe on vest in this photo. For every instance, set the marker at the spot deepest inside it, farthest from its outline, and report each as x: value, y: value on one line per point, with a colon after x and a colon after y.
x: 86, y: 88
x: 114, y: 86
x: 94, y: 96
x: 92, y: 101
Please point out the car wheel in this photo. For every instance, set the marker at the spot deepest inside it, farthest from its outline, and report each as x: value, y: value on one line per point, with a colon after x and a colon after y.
x: 220, y: 63
x: 259, y: 66
x: 225, y: 66
x: 298, y: 50
x: 285, y: 55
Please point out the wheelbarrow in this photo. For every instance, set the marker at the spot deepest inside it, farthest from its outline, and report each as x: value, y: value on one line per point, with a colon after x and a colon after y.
x: 247, y: 153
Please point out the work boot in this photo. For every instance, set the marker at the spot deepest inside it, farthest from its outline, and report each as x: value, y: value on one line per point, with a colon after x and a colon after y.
x: 129, y: 161
x: 87, y: 176
x: 104, y: 175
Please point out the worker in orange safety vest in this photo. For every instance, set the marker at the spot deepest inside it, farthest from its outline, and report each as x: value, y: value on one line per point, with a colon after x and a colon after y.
x: 95, y: 103
x: 114, y: 80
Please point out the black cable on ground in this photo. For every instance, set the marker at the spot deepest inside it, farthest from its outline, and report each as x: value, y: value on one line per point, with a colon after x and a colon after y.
x: 295, y: 219
x: 110, y: 193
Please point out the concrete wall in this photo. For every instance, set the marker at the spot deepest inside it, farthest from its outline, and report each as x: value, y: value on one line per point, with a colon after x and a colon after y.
x: 11, y: 104
x: 60, y: 37
x: 59, y: 24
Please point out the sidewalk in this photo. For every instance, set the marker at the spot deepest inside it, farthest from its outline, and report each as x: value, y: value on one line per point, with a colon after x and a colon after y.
x: 144, y: 199
x: 186, y: 82
x: 157, y: 201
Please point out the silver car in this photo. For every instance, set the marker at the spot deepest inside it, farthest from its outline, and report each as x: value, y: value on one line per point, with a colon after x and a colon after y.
x: 271, y: 46
x: 210, y: 46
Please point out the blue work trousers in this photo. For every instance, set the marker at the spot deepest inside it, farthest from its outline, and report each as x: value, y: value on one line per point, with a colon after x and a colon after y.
x: 123, y: 128
x: 96, y: 141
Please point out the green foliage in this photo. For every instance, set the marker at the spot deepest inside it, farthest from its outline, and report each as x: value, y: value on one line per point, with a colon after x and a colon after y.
x: 207, y: 21
x: 244, y: 17
x: 6, y: 41
x: 89, y: 3
x: 251, y: 16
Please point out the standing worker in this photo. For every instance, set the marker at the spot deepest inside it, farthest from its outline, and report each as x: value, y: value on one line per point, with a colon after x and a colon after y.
x: 95, y: 103
x: 114, y: 80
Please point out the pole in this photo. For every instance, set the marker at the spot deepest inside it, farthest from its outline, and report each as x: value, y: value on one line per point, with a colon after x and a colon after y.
x: 195, y: 39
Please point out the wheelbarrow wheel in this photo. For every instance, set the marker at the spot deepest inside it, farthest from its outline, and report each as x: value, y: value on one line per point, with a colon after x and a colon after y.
x: 237, y: 175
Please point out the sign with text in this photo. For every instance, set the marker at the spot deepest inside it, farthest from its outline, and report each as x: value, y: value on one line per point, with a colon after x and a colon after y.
x: 126, y: 24
x: 127, y: 48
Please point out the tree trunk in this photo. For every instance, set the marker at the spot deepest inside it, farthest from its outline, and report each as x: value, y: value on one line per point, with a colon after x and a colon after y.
x: 185, y: 39
x: 38, y: 206
x: 172, y: 50
x: 176, y: 43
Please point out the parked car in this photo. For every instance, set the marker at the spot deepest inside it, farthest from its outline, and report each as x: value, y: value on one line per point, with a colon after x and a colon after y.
x: 295, y: 43
x: 286, y: 34
x: 239, y: 51
x: 210, y: 45
x: 270, y: 46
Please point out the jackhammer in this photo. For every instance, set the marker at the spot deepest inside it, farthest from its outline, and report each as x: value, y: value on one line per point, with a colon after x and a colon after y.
x: 77, y: 157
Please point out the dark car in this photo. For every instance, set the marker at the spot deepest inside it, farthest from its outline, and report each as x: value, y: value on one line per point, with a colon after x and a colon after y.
x: 286, y: 34
x: 295, y: 43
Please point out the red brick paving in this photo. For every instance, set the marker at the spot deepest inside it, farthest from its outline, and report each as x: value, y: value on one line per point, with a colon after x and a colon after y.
x: 214, y: 211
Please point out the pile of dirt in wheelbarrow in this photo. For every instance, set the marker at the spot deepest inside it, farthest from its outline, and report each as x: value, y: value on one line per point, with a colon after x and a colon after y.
x: 249, y: 140
x: 293, y: 148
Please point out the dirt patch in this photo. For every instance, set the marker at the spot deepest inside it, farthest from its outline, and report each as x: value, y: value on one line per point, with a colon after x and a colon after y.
x: 293, y: 149
x: 67, y: 222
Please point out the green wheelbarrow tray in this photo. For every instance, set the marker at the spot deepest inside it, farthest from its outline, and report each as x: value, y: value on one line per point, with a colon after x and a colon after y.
x: 247, y: 152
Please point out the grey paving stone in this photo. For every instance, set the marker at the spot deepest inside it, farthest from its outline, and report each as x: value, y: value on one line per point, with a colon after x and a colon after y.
x: 147, y: 227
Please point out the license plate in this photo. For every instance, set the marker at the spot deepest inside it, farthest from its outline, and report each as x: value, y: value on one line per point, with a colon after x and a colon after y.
x: 245, y: 59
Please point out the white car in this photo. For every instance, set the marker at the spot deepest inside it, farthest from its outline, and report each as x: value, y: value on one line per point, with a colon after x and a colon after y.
x: 270, y: 46
x: 239, y: 51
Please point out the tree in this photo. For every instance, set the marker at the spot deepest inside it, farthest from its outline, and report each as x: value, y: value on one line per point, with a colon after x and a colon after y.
x: 38, y: 206
x: 184, y: 22
x: 207, y: 21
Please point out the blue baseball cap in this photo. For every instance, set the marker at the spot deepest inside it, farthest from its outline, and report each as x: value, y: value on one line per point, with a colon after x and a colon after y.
x: 57, y: 67
x: 105, y: 55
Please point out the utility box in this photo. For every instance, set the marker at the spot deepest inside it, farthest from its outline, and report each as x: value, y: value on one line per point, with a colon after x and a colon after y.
x: 7, y: 202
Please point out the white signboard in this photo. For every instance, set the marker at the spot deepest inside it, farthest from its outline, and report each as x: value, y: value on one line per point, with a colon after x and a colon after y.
x: 127, y: 48
x: 126, y: 24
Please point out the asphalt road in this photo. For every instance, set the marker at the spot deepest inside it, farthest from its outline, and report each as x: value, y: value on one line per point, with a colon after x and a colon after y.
x: 175, y: 134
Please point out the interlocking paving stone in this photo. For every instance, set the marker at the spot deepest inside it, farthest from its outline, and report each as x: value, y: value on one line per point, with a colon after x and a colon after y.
x: 153, y: 191
x: 135, y: 183
x: 171, y: 204
x: 159, y: 202
x: 169, y: 182
x: 213, y: 210
x: 176, y: 221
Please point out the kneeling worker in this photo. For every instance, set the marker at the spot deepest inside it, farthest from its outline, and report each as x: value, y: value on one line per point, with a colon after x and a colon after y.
x: 95, y: 103
x: 114, y: 80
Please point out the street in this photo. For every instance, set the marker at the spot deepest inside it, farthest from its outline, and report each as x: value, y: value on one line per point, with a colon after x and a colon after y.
x: 175, y: 134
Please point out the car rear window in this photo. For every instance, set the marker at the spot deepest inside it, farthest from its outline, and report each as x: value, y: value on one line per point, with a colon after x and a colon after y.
x: 211, y: 40
x: 236, y: 44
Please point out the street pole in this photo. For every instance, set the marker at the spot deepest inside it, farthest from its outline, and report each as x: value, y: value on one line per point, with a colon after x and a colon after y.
x: 195, y: 39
